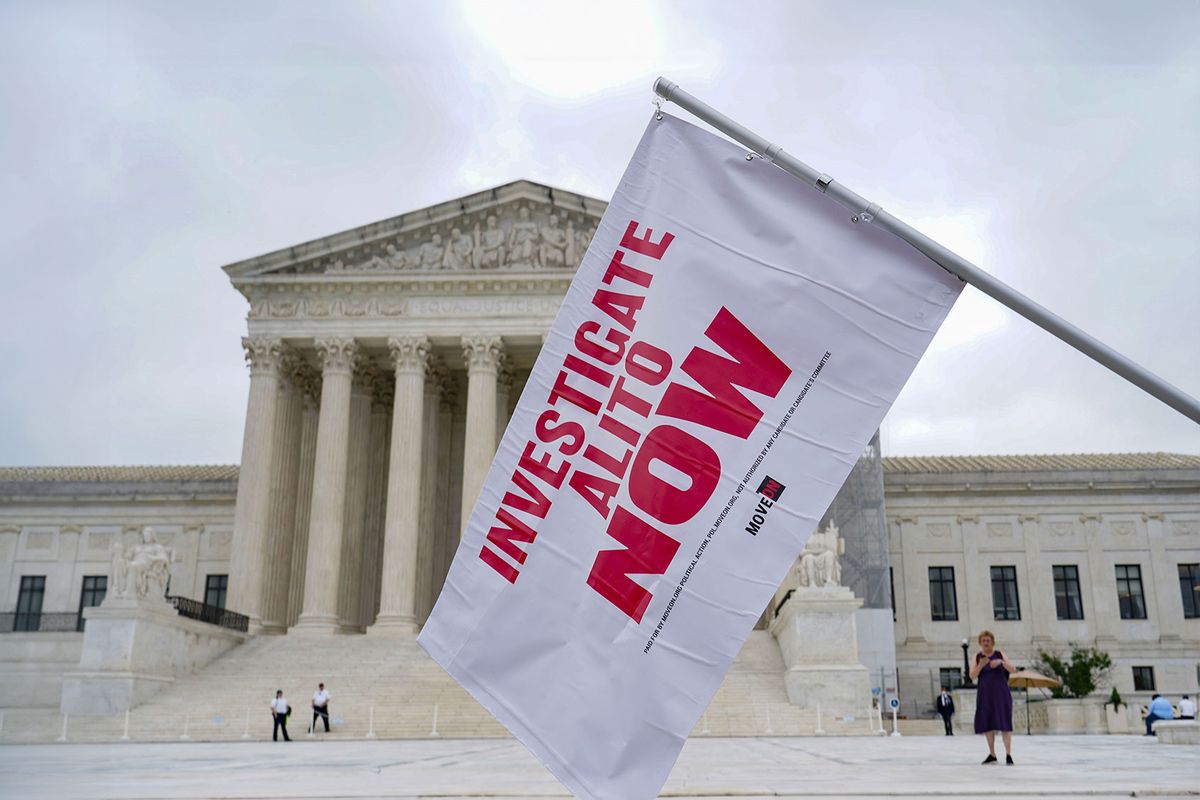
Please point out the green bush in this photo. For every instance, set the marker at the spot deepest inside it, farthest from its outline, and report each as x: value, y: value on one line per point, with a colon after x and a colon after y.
x: 1080, y: 674
x: 1114, y: 699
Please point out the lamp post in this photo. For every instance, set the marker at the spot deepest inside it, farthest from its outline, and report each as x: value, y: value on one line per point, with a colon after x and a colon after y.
x: 966, y: 673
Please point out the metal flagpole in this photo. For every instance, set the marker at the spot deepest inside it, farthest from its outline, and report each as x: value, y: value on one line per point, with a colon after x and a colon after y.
x: 865, y: 211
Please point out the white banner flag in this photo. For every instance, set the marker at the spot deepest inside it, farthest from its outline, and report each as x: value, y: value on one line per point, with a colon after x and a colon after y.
x: 729, y: 345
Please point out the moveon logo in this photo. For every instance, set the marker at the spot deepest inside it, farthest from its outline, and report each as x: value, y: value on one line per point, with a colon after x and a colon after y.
x: 770, y: 490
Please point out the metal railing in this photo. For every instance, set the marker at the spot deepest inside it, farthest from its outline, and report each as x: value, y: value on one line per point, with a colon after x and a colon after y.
x: 40, y: 622
x: 213, y: 615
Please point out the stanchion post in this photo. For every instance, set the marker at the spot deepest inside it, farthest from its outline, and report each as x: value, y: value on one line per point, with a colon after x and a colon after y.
x: 125, y: 735
x: 371, y: 722
x: 63, y: 737
x: 819, y: 731
x: 246, y: 730
x: 434, y: 733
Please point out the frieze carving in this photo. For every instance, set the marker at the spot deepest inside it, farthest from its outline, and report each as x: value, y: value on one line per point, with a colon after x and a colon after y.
x: 399, y: 295
x: 1000, y: 530
x: 939, y: 530
x: 39, y: 540
x: 527, y: 238
x: 1186, y: 528
x: 1124, y: 528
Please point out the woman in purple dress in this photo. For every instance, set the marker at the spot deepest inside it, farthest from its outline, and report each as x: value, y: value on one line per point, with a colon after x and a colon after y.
x: 993, y: 698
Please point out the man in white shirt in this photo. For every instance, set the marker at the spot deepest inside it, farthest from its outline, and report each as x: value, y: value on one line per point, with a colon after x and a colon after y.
x: 279, y: 713
x: 1187, y: 708
x: 320, y: 708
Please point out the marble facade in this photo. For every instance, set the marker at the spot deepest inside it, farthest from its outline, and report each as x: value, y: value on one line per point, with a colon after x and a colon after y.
x: 384, y: 364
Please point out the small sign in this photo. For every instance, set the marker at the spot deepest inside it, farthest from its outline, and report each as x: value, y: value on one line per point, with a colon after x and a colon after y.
x: 894, y: 703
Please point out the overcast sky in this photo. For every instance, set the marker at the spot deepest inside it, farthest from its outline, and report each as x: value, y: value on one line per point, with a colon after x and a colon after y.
x: 145, y: 145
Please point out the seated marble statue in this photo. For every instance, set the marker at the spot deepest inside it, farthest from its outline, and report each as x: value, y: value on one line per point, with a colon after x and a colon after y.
x: 142, y: 572
x: 818, y: 563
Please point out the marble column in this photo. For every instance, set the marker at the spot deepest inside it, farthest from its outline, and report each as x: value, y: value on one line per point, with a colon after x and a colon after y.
x: 1040, y: 583
x: 252, y: 511
x: 309, y: 382
x: 1161, y: 584
x: 445, y: 509
x: 282, y: 516
x: 381, y: 409
x: 483, y: 355
x: 339, y: 357
x: 355, y: 519
x: 426, y: 541
x: 397, y: 596
x: 504, y: 385
x: 1101, y: 583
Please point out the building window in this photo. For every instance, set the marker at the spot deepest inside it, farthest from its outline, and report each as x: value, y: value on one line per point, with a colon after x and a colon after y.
x: 1129, y: 591
x: 1143, y: 679
x: 95, y: 587
x: 1189, y: 589
x: 943, y: 604
x: 950, y: 678
x: 1066, y: 592
x: 29, y: 603
x: 214, y: 590
x: 1006, y: 604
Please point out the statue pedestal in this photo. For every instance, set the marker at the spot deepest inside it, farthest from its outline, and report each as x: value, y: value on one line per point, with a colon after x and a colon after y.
x: 816, y: 633
x: 132, y: 649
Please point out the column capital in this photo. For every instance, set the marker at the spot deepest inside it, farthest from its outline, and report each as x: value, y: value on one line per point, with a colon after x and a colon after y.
x: 435, y: 379
x: 307, y: 380
x: 366, y: 376
x: 409, y: 354
x: 504, y: 375
x: 264, y: 354
x: 338, y: 355
x: 483, y: 352
x: 383, y: 392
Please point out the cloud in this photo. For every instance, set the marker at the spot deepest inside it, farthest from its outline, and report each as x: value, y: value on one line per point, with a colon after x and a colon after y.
x: 1054, y: 144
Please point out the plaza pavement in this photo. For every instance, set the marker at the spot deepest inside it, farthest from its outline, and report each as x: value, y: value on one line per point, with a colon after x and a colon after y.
x: 1048, y: 766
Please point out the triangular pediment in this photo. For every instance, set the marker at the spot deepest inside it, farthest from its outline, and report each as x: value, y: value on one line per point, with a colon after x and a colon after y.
x: 520, y: 226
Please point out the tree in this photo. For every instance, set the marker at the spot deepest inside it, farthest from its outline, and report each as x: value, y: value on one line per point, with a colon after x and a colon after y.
x: 1080, y: 674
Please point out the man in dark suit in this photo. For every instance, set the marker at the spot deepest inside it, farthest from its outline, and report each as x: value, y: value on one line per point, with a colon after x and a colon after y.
x: 945, y: 709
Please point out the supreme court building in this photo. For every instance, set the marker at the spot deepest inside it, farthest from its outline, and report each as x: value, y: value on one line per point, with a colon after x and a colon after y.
x: 385, y: 362
x: 384, y: 365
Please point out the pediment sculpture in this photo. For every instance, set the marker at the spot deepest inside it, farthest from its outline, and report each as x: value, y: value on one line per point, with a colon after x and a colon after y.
x: 520, y: 238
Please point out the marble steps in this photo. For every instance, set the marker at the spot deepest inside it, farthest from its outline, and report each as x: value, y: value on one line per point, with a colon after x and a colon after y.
x: 388, y: 686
